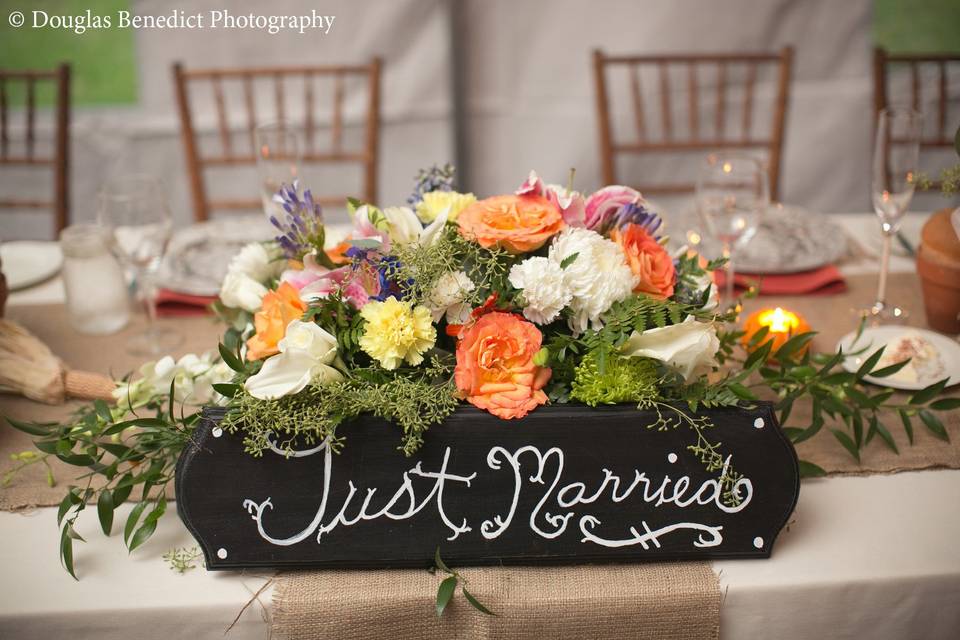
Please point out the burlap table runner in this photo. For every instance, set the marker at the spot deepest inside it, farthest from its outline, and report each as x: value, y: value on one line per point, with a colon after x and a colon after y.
x: 645, y: 602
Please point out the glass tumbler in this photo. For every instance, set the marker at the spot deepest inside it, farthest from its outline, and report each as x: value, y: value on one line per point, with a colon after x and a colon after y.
x: 96, y: 292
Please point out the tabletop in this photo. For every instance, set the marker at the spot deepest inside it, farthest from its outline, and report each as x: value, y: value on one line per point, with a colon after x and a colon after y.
x: 862, y: 557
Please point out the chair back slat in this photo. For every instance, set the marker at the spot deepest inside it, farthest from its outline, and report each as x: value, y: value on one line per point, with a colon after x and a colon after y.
x: 226, y: 143
x: 279, y: 98
x: 637, y: 104
x: 309, y: 125
x: 251, y: 107
x: 4, y: 137
x: 336, y: 132
x: 915, y: 85
x: 748, y: 85
x: 720, y: 66
x: 721, y: 99
x: 31, y: 114
x: 666, y: 115
x: 278, y: 77
x: 59, y: 161
x: 692, y: 89
x: 942, y: 100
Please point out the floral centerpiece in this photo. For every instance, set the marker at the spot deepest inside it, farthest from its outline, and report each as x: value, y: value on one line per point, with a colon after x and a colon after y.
x: 543, y: 295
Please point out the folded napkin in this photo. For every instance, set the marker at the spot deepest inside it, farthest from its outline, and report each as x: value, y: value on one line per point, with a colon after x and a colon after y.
x: 176, y: 304
x: 823, y: 281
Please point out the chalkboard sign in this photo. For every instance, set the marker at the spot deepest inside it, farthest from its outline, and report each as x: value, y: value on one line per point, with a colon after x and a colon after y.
x: 565, y: 485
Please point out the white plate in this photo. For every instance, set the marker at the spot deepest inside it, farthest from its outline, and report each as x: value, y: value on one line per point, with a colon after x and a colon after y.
x: 198, y: 255
x: 875, y: 337
x: 26, y: 263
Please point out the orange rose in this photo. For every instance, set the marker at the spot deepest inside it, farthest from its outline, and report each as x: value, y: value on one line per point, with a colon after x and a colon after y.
x: 517, y: 223
x: 495, y: 369
x: 276, y: 311
x: 647, y: 259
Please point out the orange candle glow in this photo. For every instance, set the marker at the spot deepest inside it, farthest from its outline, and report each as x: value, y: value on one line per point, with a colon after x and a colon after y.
x: 781, y: 325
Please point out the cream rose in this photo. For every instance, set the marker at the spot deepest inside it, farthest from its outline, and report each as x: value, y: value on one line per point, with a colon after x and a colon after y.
x: 689, y: 347
x: 306, y: 353
x: 240, y: 291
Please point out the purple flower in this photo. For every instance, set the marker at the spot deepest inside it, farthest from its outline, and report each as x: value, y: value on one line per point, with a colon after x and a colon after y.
x: 433, y: 179
x: 301, y: 229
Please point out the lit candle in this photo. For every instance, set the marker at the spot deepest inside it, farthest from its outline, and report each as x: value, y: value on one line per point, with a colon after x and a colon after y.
x: 781, y: 325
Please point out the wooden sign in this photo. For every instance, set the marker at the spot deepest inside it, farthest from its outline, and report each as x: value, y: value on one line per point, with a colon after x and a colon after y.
x: 565, y: 485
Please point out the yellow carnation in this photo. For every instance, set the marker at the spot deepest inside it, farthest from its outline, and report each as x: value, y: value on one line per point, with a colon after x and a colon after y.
x: 396, y: 331
x: 435, y: 202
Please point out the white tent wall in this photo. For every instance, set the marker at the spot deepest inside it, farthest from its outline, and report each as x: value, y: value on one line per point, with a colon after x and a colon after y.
x: 529, y: 96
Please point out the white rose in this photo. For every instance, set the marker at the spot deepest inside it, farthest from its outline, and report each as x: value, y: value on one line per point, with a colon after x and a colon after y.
x: 544, y: 292
x: 306, y: 353
x: 257, y: 261
x: 447, y: 297
x: 690, y: 347
x: 240, y: 291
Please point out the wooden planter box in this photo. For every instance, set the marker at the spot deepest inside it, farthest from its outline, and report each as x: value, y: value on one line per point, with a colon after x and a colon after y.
x: 565, y: 485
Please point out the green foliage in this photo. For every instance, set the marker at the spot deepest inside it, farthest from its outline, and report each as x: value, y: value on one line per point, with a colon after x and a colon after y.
x: 121, y: 455
x: 421, y: 267
x: 448, y: 587
x: 413, y: 399
x: 623, y: 379
x: 337, y: 316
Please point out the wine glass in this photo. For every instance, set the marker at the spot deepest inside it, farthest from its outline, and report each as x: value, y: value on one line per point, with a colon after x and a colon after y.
x: 278, y: 159
x: 134, y: 212
x: 896, y: 156
x: 732, y: 194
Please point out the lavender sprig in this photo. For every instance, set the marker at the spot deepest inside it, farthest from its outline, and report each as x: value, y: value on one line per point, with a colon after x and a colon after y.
x: 634, y: 214
x: 433, y: 179
x: 301, y: 230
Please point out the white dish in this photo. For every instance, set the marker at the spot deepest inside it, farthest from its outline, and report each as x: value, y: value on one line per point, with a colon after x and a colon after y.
x: 26, y: 262
x: 873, y: 338
x: 198, y: 255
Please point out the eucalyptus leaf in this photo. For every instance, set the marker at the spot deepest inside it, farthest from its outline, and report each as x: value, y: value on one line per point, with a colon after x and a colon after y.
x: 439, y: 563
x: 810, y: 470
x: 132, y: 521
x: 142, y: 535
x: 945, y: 404
x: 444, y: 593
x: 105, y: 509
x: 30, y: 428
x: 927, y: 394
x: 230, y: 359
x: 476, y: 603
x: 907, y: 424
x: 933, y: 423
x: 66, y: 553
x: 847, y: 443
x: 870, y: 363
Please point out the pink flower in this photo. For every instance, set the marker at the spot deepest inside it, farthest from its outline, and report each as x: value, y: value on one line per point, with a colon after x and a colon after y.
x: 569, y: 202
x: 310, y: 273
x: 603, y: 204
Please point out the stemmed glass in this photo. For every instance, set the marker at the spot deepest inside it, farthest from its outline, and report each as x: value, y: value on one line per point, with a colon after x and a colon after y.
x: 278, y: 159
x: 896, y: 156
x: 135, y: 214
x: 732, y: 195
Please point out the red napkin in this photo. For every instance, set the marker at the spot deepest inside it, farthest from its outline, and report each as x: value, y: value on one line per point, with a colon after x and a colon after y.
x: 823, y: 281
x: 176, y: 304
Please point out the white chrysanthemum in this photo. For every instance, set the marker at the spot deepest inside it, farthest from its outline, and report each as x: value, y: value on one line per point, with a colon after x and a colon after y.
x: 544, y: 292
x: 447, y: 297
x: 598, y: 277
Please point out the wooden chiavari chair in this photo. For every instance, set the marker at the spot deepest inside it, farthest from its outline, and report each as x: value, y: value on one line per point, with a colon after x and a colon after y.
x: 698, y: 139
x: 10, y: 155
x: 884, y: 64
x: 229, y: 155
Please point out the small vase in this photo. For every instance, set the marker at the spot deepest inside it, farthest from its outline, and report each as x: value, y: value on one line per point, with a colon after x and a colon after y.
x: 938, y: 264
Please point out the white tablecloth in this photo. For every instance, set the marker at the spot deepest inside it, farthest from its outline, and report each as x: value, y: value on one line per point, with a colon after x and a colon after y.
x: 872, y: 557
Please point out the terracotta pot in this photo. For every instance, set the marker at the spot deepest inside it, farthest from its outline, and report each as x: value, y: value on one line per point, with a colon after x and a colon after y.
x: 938, y: 264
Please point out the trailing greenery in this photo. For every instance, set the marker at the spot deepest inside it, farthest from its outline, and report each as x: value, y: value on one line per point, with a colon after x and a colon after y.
x: 182, y: 559
x: 413, y: 399
x: 124, y: 457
